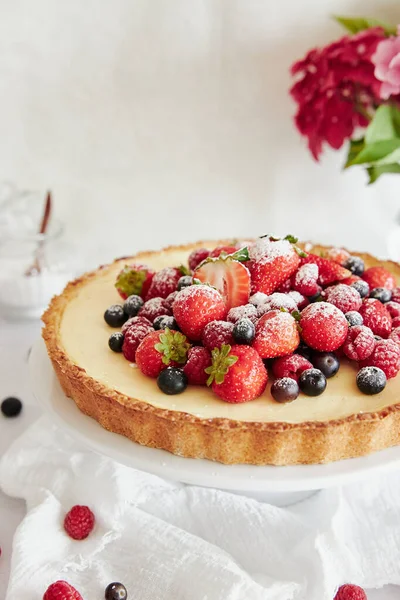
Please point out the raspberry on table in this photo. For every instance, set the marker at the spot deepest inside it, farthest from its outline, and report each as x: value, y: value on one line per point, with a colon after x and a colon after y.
x: 386, y: 356
x: 79, y: 522
x: 350, y: 592
x: 217, y: 333
x: 61, y: 590
x: 344, y: 297
x: 247, y: 311
x: 199, y: 359
x: 360, y: 343
x: 155, y: 308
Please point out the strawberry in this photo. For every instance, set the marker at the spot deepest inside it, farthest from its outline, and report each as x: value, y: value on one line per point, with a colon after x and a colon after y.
x: 237, y: 373
x: 350, y: 280
x: 199, y: 359
x: 272, y: 261
x: 223, y: 249
x: 276, y: 334
x: 323, y: 326
x: 379, y: 277
x: 197, y: 256
x: 134, y: 279
x: 305, y: 280
x: 329, y: 271
x: 161, y: 349
x: 195, y: 306
x: 338, y: 255
x: 165, y: 281
x: 228, y: 275
x: 285, y: 287
x: 376, y: 317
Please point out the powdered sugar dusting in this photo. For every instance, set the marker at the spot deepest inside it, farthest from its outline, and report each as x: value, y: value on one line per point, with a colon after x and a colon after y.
x: 265, y: 250
x: 321, y: 309
x: 247, y: 311
x: 307, y: 274
x: 297, y: 297
x: 258, y: 298
x: 344, y: 297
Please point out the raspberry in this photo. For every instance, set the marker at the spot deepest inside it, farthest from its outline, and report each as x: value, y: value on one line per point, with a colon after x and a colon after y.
x: 323, y: 326
x: 386, y: 356
x: 197, y: 256
x: 338, y: 255
x: 395, y: 335
x: 360, y: 343
x: 258, y: 299
x: 376, y: 316
x: 170, y: 299
x: 277, y: 301
x: 199, y: 358
x: 344, y: 297
x: 217, y: 333
x: 305, y: 279
x: 393, y: 308
x: 223, y: 249
x: 247, y: 311
x: 351, y: 279
x: 79, y: 522
x: 350, y: 592
x: 134, y: 322
x: 396, y: 294
x: 290, y: 366
x: 164, y: 282
x: 155, y: 308
x: 133, y: 336
x: 395, y: 322
x: 61, y: 590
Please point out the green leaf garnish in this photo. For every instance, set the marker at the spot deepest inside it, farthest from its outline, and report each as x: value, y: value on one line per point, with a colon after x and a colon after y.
x: 222, y: 361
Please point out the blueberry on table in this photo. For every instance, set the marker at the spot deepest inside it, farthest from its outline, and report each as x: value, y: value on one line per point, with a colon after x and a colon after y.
x: 184, y: 281
x: 115, y: 316
x: 285, y: 389
x: 355, y: 264
x: 11, y: 407
x: 312, y: 382
x: 362, y: 287
x: 132, y: 305
x: 354, y: 318
x: 382, y: 294
x: 244, y: 331
x: 116, y: 591
x: 172, y: 381
x: 326, y: 362
x: 371, y: 380
x: 115, y: 342
x: 164, y: 321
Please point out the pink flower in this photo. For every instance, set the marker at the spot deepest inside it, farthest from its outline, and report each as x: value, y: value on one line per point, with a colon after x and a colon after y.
x: 336, y: 84
x: 387, y: 65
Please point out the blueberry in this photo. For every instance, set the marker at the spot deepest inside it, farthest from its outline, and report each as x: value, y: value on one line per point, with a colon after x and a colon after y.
x: 115, y: 342
x: 381, y: 294
x: 244, y: 331
x: 304, y: 350
x: 354, y: 318
x: 132, y: 305
x: 164, y: 321
x: 172, y: 381
x: 355, y: 264
x: 184, y: 281
x: 115, y: 316
x: 11, y: 407
x: 371, y: 380
x: 285, y: 389
x: 362, y: 287
x: 312, y: 382
x: 116, y: 591
x: 326, y: 362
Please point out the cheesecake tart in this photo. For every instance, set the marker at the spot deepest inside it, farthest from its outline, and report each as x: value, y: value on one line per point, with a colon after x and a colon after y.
x: 307, y: 427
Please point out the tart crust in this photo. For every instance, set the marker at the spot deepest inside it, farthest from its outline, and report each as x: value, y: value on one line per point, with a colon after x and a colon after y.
x: 223, y: 440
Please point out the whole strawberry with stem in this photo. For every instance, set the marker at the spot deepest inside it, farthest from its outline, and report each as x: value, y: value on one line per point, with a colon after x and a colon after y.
x: 161, y: 349
x: 196, y: 306
x: 276, y: 334
x: 134, y: 279
x: 272, y: 261
x: 379, y: 277
x: 237, y: 374
x: 165, y: 282
x: 323, y: 326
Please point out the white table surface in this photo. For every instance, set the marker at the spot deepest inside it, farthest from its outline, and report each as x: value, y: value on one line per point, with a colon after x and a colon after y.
x: 15, y: 341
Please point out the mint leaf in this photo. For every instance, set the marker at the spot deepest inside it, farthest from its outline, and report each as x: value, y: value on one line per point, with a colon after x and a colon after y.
x: 354, y: 149
x: 375, y: 152
x: 357, y: 24
x: 375, y: 171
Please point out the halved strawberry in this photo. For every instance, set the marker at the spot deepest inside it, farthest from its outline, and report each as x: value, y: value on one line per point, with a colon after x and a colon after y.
x: 329, y: 271
x: 228, y: 276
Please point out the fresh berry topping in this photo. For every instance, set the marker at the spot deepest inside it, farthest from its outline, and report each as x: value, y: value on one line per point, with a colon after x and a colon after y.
x: 323, y: 326
x: 396, y: 294
x: 327, y: 362
x: 170, y: 299
x: 115, y: 316
x: 277, y: 301
x: 361, y: 286
x: 133, y: 336
x: 386, y: 356
x: 395, y: 322
x: 115, y: 342
x: 197, y: 256
x: 285, y: 389
x: 195, y: 306
x: 393, y: 309
x: 304, y: 350
x: 395, y: 335
x: 258, y: 299
x: 376, y: 316
x: 355, y: 264
x: 184, y: 281
x: 350, y: 280
x: 164, y: 282
x: 344, y: 297
x: 312, y: 382
x: 338, y: 255
x: 271, y: 263
x: 134, y: 279
x: 350, y: 592
x: 79, y: 522
x: 172, y: 381
x: 299, y: 299
x: 115, y: 591
x: 305, y: 280
x: 228, y: 276
x: 216, y: 334
x: 247, y: 311
x: 11, y: 407
x: 223, y: 250
x: 160, y: 349
x: 290, y: 366
x: 328, y: 271
x: 371, y: 380
x: 276, y: 335
x: 237, y: 374
x: 165, y: 322
x: 382, y: 294
x: 379, y: 277
x: 61, y: 590
x: 284, y: 287
x: 244, y: 331
x: 354, y: 318
x: 132, y: 305
x: 155, y: 308
x: 134, y: 322
x: 199, y: 359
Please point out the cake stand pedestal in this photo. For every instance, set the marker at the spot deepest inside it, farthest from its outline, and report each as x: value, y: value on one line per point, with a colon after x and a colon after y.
x: 276, y: 485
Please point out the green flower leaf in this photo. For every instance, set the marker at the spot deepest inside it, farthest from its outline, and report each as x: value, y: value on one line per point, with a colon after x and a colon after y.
x: 382, y: 126
x: 222, y: 361
x: 376, y: 152
x: 357, y: 24
x: 375, y: 171
x: 173, y: 346
x: 354, y: 150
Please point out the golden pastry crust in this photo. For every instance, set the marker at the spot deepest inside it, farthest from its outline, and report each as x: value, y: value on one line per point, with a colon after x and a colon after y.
x: 223, y: 440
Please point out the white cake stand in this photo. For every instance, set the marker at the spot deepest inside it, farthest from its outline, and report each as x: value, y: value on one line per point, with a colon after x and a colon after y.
x: 277, y: 485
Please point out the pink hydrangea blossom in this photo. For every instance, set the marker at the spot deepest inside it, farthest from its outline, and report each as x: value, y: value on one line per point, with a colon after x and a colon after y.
x: 387, y: 65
